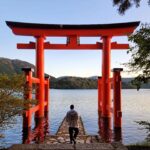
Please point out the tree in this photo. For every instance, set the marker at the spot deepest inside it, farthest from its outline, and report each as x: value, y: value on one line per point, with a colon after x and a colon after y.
x: 140, y: 52
x: 124, y: 5
x: 12, y: 101
x: 140, y: 61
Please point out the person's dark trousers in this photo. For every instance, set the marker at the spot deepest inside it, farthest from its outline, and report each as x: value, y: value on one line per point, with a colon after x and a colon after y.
x: 73, y: 132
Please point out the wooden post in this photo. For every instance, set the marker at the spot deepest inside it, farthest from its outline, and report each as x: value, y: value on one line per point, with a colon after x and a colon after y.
x: 117, y: 97
x: 27, y: 116
x: 40, y: 74
x: 106, y: 52
x: 99, y: 94
x: 47, y: 90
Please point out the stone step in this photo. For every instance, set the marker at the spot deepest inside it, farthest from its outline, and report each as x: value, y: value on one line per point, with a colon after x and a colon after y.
x: 94, y: 146
x: 80, y: 139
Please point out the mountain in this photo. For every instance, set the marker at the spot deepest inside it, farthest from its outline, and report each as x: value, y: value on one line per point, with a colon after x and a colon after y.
x: 11, y: 66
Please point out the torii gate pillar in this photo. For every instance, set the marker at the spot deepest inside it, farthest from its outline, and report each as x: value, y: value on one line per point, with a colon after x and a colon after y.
x: 117, y: 97
x: 40, y: 74
x: 106, y: 101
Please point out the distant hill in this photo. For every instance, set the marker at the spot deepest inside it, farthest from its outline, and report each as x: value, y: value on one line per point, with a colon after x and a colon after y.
x: 11, y: 66
x: 70, y: 82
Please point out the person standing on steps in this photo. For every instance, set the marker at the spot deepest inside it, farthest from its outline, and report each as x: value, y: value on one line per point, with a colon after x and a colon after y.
x: 72, y: 119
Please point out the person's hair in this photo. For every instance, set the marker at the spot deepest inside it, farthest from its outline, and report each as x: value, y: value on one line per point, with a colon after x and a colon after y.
x: 71, y: 106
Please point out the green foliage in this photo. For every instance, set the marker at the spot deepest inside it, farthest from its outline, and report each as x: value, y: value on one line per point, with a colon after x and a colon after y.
x: 140, y: 61
x: 124, y: 5
x: 10, y: 67
x: 12, y: 101
x: 145, y: 125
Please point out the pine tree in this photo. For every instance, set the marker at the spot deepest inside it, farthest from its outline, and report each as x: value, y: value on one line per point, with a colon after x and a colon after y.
x: 124, y: 5
x: 12, y: 103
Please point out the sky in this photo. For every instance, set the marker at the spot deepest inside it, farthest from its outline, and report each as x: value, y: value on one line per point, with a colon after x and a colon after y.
x: 66, y: 63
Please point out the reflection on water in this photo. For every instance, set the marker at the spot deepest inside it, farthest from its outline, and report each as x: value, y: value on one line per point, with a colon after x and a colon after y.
x: 135, y: 107
x: 106, y: 132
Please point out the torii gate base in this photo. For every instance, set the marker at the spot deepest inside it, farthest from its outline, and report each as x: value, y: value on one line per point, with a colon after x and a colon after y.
x: 38, y: 133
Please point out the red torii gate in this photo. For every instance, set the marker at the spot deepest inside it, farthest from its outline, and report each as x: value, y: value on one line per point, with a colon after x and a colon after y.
x: 73, y: 33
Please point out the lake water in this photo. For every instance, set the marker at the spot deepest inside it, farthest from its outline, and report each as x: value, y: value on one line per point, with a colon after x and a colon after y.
x: 135, y: 107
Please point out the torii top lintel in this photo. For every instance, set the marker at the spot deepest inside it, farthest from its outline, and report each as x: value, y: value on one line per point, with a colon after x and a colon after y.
x: 32, y: 29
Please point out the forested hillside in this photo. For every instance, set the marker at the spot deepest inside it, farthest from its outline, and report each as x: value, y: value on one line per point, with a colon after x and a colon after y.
x: 10, y: 67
